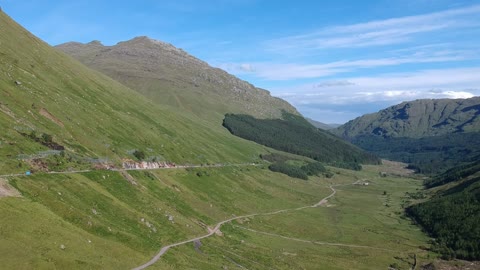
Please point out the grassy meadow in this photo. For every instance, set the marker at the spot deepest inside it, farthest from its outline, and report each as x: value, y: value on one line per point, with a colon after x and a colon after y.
x: 105, y: 221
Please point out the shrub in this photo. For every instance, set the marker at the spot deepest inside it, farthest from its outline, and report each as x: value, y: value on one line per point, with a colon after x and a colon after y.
x: 139, y: 154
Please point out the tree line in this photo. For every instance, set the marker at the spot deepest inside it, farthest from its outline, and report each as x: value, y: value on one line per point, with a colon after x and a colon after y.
x: 293, y: 134
x: 452, y: 216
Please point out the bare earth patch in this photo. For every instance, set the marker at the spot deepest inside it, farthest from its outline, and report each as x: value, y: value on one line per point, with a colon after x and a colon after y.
x: 51, y: 117
x: 6, y: 190
x: 397, y: 168
x: 128, y: 177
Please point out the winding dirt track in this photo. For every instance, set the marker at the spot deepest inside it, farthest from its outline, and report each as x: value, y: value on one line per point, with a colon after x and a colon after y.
x: 313, y: 242
x: 164, y: 249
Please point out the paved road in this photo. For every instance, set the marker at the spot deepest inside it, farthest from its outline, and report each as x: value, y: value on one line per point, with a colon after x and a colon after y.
x: 164, y: 249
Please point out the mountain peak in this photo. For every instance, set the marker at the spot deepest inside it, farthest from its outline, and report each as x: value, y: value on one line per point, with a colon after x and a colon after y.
x: 95, y: 43
x: 170, y: 75
x: 145, y: 40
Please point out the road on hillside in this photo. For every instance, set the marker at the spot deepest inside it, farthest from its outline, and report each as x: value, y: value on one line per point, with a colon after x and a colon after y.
x: 162, y: 168
x: 164, y: 249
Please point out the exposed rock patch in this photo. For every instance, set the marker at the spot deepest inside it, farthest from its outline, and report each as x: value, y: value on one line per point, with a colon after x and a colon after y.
x: 45, y: 113
x: 6, y: 190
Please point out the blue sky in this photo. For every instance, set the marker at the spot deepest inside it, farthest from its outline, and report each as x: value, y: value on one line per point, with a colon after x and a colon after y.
x: 333, y: 60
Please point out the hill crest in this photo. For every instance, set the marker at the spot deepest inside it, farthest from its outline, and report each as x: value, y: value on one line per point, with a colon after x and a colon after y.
x: 415, y: 119
x: 170, y: 76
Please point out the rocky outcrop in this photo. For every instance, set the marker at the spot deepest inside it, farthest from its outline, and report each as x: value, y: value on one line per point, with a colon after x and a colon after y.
x: 130, y: 164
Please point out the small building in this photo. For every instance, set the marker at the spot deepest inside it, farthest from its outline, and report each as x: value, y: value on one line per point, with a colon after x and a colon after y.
x: 27, y: 173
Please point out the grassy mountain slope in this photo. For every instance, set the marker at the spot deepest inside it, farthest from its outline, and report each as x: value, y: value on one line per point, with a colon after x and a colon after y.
x: 168, y: 75
x: 452, y: 215
x: 89, y: 114
x: 105, y: 222
x: 419, y: 118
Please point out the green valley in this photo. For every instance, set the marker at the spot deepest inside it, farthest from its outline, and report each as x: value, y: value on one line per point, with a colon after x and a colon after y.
x: 141, y: 156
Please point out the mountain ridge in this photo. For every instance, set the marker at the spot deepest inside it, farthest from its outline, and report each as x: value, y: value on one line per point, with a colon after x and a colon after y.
x: 432, y: 135
x: 418, y: 118
x: 169, y: 75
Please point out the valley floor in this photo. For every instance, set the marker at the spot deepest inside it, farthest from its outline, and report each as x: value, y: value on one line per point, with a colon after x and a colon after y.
x: 102, y: 220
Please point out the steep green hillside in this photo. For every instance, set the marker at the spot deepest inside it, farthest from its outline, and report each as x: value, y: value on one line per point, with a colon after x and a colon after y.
x: 453, y: 175
x: 293, y: 134
x: 453, y: 214
x: 45, y: 94
x: 168, y: 75
x: 104, y: 220
x: 419, y: 118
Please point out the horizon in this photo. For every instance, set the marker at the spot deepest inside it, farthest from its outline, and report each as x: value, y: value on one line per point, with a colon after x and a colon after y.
x: 330, y: 61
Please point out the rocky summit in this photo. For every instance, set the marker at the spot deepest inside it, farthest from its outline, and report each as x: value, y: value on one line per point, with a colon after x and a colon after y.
x: 170, y: 76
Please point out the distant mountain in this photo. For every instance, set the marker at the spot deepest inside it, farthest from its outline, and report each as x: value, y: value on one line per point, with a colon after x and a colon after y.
x: 170, y: 76
x: 419, y: 118
x: 321, y: 125
x: 430, y: 135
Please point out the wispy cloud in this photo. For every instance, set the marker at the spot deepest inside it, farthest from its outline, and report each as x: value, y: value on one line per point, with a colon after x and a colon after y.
x: 375, y: 33
x: 388, y: 88
x: 291, y: 71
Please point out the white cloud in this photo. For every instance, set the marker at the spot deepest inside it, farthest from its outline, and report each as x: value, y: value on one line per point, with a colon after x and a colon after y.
x: 374, y: 33
x: 457, y: 94
x: 291, y: 71
x: 246, y: 67
x: 391, y: 88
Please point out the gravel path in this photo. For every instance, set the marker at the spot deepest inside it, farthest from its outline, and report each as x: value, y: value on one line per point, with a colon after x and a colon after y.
x: 164, y: 249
